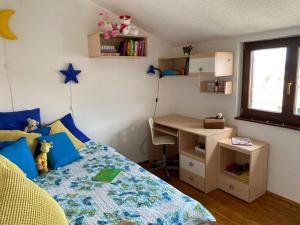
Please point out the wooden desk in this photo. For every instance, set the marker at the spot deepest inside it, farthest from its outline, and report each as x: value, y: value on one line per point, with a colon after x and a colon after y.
x: 198, y: 169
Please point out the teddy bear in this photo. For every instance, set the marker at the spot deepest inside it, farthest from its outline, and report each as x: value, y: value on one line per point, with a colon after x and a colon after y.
x: 126, y: 27
x: 109, y: 28
x: 31, y: 125
x: 42, y: 159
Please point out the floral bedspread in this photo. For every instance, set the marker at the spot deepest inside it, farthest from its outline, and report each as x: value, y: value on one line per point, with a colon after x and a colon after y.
x: 136, y: 195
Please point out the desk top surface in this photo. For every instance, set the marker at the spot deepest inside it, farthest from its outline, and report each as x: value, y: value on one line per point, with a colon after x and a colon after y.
x: 188, y: 124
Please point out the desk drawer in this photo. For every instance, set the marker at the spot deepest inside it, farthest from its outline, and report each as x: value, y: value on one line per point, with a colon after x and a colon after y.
x: 192, y: 179
x: 192, y: 165
x: 234, y: 187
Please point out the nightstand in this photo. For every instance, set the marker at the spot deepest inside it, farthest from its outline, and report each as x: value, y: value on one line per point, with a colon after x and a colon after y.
x: 247, y: 188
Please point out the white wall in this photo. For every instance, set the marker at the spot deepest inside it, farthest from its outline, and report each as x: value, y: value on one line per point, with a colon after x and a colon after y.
x: 284, y: 155
x: 114, y: 97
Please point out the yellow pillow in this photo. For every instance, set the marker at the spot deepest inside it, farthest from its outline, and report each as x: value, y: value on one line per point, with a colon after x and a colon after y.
x: 8, y: 164
x: 58, y: 127
x: 23, y: 202
x: 14, y: 135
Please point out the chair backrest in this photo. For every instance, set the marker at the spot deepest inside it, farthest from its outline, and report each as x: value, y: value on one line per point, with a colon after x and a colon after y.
x: 151, y: 125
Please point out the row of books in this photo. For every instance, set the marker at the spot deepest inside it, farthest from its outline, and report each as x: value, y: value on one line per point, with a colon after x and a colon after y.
x: 108, y: 49
x: 132, y: 48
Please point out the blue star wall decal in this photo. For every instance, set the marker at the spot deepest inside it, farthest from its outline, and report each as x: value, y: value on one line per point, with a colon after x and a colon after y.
x: 71, y: 74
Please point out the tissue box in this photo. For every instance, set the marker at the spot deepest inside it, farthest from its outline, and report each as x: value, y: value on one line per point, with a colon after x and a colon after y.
x: 213, y: 123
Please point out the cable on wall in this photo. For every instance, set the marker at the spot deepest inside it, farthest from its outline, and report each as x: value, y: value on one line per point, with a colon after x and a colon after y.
x: 154, y: 114
x: 71, y: 100
x: 156, y: 99
x: 5, y: 63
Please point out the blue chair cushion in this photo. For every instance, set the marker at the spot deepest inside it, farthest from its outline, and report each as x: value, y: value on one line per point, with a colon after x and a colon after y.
x: 43, y: 131
x: 19, y: 153
x: 63, y: 151
x: 68, y: 122
x: 18, y: 120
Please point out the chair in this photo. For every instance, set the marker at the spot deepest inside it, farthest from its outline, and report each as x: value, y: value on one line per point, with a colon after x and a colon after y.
x: 164, y: 141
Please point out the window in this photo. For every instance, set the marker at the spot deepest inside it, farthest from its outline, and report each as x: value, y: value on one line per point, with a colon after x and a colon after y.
x: 271, y: 82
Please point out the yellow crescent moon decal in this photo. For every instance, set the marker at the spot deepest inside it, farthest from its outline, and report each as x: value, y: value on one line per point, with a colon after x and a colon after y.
x: 4, y: 27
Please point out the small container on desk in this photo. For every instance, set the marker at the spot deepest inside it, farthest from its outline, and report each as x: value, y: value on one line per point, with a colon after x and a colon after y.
x: 213, y: 123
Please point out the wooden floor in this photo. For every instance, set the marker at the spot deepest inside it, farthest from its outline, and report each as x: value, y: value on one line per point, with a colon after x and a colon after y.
x: 228, y: 210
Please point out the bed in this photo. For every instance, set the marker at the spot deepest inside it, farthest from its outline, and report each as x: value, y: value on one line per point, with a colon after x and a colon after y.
x: 136, y: 195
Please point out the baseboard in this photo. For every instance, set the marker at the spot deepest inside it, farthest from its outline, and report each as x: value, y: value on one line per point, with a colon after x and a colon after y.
x: 296, y: 204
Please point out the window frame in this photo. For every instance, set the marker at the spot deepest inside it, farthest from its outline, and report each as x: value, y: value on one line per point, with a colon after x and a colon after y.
x: 286, y: 117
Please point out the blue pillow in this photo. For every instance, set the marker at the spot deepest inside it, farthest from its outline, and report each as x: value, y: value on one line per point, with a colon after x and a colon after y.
x: 63, y: 151
x: 20, y: 154
x: 18, y: 120
x: 5, y: 144
x: 43, y: 131
x: 68, y: 122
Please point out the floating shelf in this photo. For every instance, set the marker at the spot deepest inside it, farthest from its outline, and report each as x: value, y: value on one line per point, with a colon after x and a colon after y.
x: 176, y: 63
x: 217, y: 64
x: 223, y: 87
x: 96, y: 40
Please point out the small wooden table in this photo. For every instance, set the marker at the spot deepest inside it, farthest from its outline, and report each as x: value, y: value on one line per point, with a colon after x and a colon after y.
x: 257, y: 158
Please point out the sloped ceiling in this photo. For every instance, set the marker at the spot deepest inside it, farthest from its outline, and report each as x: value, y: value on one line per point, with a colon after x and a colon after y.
x: 189, y: 21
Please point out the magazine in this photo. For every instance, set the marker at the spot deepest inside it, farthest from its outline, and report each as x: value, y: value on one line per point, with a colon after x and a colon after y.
x: 241, y: 141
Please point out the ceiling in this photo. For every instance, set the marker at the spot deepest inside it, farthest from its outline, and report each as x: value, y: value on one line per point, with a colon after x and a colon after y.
x: 190, y: 21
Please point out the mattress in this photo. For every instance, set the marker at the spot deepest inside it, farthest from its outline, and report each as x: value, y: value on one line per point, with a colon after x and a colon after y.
x: 136, y: 195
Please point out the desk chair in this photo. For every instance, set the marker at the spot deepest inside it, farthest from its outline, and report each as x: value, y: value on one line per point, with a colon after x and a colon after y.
x: 164, y: 141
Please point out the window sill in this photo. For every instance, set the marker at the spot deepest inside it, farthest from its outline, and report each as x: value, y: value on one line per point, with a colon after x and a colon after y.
x: 288, y: 126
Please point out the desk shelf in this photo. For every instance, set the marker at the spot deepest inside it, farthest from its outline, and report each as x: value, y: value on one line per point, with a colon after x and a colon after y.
x: 193, y: 154
x: 166, y: 130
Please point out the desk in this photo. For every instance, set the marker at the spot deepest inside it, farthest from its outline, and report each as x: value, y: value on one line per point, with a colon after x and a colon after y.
x: 196, y: 168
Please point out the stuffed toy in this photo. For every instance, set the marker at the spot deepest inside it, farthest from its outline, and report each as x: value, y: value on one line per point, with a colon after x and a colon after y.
x: 42, y: 159
x: 32, y: 125
x: 107, y: 25
x: 126, y: 27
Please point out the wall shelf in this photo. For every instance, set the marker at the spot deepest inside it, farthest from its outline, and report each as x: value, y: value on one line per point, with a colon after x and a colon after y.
x: 217, y: 64
x: 96, y: 40
x: 222, y: 87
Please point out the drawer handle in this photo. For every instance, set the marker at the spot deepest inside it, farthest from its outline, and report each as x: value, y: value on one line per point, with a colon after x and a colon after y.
x: 191, y: 178
x: 191, y: 164
x: 231, y: 187
x: 200, y: 69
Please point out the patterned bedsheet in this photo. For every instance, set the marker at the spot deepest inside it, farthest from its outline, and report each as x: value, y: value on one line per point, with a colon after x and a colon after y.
x: 136, y: 195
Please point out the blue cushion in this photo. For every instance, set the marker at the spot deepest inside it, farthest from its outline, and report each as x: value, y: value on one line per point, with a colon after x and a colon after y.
x: 68, y: 122
x: 20, y: 154
x: 43, y: 131
x: 63, y: 151
x: 18, y: 120
x: 5, y: 144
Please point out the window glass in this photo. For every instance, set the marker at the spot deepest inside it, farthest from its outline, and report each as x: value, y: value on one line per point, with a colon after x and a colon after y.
x: 267, y: 71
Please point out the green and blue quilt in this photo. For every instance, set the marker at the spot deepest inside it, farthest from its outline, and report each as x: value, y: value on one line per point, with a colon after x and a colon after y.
x: 136, y: 195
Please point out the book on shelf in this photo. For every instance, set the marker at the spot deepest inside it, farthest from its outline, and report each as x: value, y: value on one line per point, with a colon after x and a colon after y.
x: 241, y: 141
x: 132, y: 48
x: 108, y: 49
x: 200, y: 148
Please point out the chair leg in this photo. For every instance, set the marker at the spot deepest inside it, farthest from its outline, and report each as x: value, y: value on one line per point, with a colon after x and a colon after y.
x: 165, y: 162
